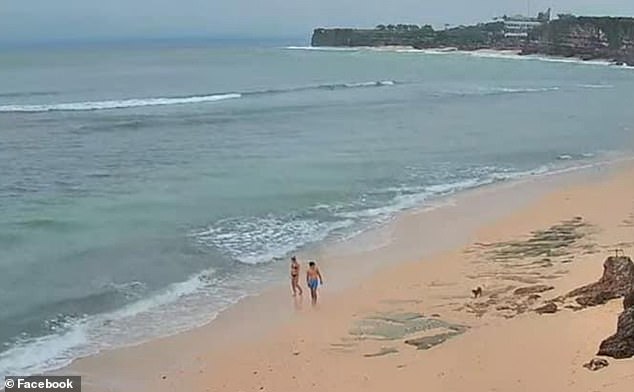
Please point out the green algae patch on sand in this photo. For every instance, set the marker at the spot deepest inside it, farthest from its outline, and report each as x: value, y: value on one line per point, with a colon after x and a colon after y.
x: 552, y: 243
x: 396, y: 326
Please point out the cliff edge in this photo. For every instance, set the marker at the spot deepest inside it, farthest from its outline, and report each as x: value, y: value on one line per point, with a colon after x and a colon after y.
x: 587, y: 38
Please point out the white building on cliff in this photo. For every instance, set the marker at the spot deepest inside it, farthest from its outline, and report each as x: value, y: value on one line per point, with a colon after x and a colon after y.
x: 519, y: 26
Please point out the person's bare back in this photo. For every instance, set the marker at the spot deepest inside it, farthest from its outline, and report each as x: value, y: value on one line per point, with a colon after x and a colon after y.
x: 313, y: 279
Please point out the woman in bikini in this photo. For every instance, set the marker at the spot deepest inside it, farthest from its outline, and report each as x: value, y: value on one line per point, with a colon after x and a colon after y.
x: 295, y: 277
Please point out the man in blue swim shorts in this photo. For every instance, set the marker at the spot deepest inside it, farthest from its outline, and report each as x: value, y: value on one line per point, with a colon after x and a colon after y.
x: 313, y: 279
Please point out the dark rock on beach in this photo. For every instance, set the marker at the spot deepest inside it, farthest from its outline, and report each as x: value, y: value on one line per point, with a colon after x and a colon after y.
x: 621, y: 344
x: 547, y: 309
x: 533, y: 297
x: 596, y: 364
x: 617, y: 281
x: 427, y: 342
x: 539, y: 288
x: 382, y: 352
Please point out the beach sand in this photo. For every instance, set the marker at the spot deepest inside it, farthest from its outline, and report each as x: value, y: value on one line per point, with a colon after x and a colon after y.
x: 411, y: 280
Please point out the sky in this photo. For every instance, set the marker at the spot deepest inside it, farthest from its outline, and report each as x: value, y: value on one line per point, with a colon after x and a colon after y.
x: 33, y: 21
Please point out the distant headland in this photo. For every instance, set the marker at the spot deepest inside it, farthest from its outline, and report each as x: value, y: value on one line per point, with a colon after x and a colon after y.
x: 567, y: 35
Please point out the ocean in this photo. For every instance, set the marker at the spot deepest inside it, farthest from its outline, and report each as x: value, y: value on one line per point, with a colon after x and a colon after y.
x: 145, y: 189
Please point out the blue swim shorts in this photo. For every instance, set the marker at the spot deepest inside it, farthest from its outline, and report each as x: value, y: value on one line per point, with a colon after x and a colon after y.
x: 313, y: 283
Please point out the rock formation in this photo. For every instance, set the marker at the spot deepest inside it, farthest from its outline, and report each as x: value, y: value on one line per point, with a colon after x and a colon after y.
x: 587, y: 38
x: 401, y: 35
x: 550, y: 307
x: 539, y: 288
x: 596, y: 364
x: 621, y: 344
x: 617, y: 281
x: 481, y: 36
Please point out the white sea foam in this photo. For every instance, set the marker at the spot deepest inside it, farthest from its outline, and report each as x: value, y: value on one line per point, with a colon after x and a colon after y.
x: 483, y: 53
x: 565, y: 60
x: 499, y: 54
x: 178, y: 307
x: 255, y: 240
x: 596, y: 86
x: 324, y: 48
x: 510, y: 55
x: 499, y: 91
x: 526, y: 90
x: 44, y: 353
x: 116, y: 104
x: 412, y: 196
x: 143, y: 102
x: 166, y: 296
x: 132, y: 289
x: 515, y: 55
x: 371, y: 84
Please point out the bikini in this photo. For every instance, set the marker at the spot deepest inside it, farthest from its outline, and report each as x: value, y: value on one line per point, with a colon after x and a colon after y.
x: 294, y: 271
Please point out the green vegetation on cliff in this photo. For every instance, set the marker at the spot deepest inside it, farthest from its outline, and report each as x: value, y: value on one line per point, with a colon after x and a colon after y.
x: 585, y: 37
x: 410, y: 35
x: 382, y: 35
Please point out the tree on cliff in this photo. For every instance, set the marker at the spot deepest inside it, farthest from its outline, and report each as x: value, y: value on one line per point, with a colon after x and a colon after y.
x: 566, y: 16
x: 380, y: 27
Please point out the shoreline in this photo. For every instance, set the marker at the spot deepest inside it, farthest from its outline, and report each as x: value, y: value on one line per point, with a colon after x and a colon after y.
x: 346, y: 249
x: 483, y: 53
x: 352, y: 269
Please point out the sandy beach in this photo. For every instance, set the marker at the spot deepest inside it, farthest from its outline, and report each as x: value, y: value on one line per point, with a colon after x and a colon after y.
x: 397, y: 310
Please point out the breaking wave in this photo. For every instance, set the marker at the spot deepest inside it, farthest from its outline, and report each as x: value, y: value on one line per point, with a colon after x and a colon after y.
x: 488, y: 91
x: 255, y: 240
x: 162, y: 101
x: 596, y: 86
x: 162, y: 313
x: 116, y: 104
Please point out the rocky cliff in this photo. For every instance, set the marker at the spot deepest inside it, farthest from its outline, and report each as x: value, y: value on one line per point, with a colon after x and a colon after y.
x: 465, y: 37
x: 617, y: 281
x: 621, y: 344
x: 585, y: 37
x: 380, y: 36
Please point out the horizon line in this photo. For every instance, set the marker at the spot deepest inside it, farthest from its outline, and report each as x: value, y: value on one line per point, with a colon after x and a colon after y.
x: 132, y: 41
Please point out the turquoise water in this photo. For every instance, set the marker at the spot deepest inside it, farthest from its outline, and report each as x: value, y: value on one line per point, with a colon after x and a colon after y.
x: 139, y: 186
